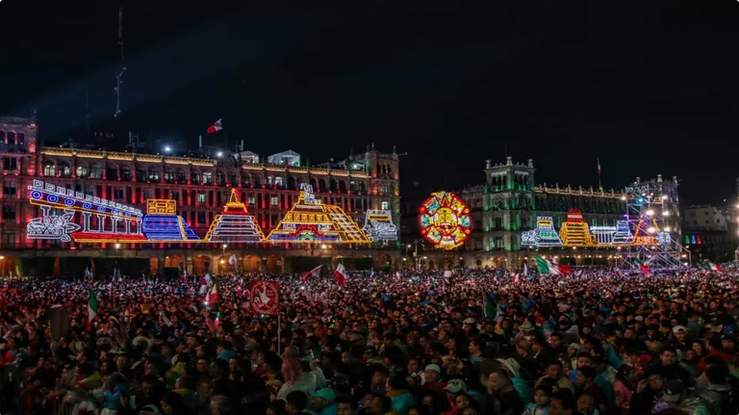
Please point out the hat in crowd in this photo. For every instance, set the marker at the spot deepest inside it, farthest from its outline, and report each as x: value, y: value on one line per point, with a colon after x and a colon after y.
x: 677, y: 329
x: 326, y: 394
x: 469, y: 320
x: 511, y: 365
x: 639, y: 318
x: 433, y: 367
x: 456, y: 386
x: 526, y: 326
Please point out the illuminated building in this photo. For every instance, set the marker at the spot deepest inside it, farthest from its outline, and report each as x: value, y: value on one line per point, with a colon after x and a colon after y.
x: 198, y: 187
x: 511, y: 203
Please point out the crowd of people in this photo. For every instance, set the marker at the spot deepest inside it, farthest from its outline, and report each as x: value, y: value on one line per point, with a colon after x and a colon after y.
x: 461, y: 343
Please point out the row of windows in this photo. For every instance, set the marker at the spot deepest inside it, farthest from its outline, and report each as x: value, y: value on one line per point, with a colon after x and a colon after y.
x: 206, y: 178
x: 12, y: 138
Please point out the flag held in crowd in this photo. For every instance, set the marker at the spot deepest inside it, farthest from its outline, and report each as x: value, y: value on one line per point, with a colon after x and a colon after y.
x: 340, y: 274
x: 313, y: 273
x: 547, y: 267
x: 92, y: 306
x: 265, y: 297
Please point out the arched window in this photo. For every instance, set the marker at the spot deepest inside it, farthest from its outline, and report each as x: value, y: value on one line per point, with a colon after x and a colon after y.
x: 10, y: 137
x: 96, y: 172
x: 3, y: 138
x: 49, y: 169
x: 65, y: 170
x: 82, y: 171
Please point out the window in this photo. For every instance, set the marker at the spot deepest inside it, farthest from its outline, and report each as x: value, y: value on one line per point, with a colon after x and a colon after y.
x: 278, y: 181
x: 125, y: 174
x: 9, y: 240
x: 118, y: 193
x: 252, y: 200
x: 207, y: 177
x: 49, y: 170
x: 385, y: 205
x: 274, y: 201
x: 96, y: 172
x: 201, y: 197
x: 10, y: 163
x: 175, y: 196
x: 8, y: 212
x: 153, y: 175
x: 169, y: 176
x: 82, y: 171
x: 9, y: 190
x: 112, y: 173
x: 20, y: 138
x: 65, y: 170
x: 270, y: 179
x: 201, y: 217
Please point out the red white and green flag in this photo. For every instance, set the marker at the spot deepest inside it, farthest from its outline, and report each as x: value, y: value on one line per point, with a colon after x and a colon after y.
x: 547, y: 267
x: 714, y: 267
x: 92, y: 306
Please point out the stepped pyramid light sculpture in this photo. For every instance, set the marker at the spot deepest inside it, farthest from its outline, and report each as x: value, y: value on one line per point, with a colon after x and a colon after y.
x: 574, y: 231
x: 623, y: 235
x: 235, y: 224
x: 379, y: 226
x: 310, y: 220
x: 161, y: 222
x: 546, y: 235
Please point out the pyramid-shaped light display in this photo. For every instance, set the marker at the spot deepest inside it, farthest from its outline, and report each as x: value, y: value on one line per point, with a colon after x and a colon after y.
x: 310, y: 220
x: 235, y: 224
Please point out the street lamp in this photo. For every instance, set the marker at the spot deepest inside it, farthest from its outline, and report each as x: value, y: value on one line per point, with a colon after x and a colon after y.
x: 167, y: 149
x: 219, y: 153
x: 117, y: 245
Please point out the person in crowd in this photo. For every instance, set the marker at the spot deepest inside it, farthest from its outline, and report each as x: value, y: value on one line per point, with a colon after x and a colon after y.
x: 415, y: 342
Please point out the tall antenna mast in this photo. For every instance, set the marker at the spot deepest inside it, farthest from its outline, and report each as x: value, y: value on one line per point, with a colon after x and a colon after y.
x: 119, y: 75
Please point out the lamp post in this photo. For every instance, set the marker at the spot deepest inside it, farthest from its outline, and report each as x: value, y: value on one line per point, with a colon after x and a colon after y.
x: 414, y: 245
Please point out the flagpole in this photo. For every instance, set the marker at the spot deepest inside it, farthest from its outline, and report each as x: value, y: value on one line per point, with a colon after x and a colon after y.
x: 279, y: 336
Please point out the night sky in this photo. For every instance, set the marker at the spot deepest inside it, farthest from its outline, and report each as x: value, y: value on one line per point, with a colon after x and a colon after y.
x: 649, y: 87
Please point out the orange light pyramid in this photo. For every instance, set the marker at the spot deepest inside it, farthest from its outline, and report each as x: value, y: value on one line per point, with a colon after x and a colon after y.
x: 310, y: 220
x: 234, y: 224
x: 575, y: 231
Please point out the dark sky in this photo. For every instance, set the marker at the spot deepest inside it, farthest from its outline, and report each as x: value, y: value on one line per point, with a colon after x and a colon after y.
x: 649, y: 87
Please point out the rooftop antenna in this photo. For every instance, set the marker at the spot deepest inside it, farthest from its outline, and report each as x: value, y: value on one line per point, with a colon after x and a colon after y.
x: 119, y: 75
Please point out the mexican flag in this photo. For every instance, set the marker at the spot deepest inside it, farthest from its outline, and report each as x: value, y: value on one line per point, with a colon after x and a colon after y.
x: 714, y: 267
x: 314, y: 273
x: 92, y: 306
x: 547, y: 267
x: 340, y: 274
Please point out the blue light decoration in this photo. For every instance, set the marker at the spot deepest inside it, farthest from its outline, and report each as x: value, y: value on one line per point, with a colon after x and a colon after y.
x: 52, y: 226
x: 623, y: 235
x: 115, y: 222
x: 161, y: 223
x: 379, y: 226
x: 544, y: 235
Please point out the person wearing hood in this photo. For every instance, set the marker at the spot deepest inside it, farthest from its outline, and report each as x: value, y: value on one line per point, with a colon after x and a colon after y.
x: 397, y: 391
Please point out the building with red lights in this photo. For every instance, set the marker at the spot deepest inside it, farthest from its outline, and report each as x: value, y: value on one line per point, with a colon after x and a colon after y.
x: 199, y: 186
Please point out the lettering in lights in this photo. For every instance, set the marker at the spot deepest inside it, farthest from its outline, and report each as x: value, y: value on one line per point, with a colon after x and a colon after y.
x: 444, y: 220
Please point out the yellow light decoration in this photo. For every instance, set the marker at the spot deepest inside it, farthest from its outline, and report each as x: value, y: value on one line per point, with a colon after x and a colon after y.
x: 575, y: 231
x: 444, y: 220
x: 310, y: 220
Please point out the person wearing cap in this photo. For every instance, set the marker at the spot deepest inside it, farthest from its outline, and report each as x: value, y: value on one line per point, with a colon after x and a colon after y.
x: 323, y: 402
x: 432, y: 378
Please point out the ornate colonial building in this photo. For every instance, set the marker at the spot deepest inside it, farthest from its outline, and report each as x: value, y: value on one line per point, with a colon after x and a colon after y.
x: 510, y: 201
x: 199, y: 186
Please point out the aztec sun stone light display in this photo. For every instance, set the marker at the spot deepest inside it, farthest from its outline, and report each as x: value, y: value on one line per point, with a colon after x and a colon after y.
x: 444, y: 220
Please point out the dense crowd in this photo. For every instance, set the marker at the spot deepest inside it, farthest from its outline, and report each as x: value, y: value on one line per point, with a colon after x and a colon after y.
x: 473, y: 342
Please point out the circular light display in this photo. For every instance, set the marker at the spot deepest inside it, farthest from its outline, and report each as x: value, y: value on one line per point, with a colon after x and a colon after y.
x: 444, y: 220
